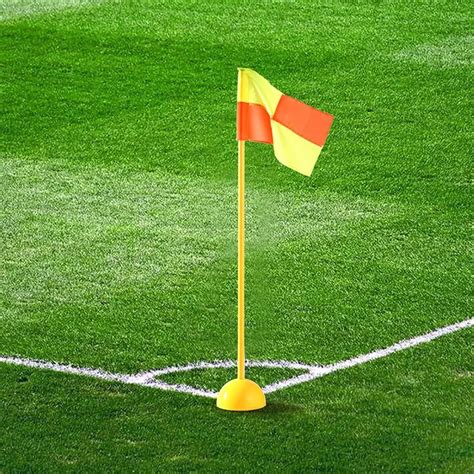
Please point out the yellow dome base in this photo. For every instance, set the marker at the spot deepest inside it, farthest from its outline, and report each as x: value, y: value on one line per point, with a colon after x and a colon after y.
x: 241, y: 395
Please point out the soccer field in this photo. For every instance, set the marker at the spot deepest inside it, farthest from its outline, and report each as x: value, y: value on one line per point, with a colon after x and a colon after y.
x: 119, y: 235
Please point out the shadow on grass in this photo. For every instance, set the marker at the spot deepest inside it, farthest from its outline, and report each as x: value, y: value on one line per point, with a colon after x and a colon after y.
x: 271, y: 409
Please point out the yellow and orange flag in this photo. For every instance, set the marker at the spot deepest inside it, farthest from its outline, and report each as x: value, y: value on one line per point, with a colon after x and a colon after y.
x: 296, y: 130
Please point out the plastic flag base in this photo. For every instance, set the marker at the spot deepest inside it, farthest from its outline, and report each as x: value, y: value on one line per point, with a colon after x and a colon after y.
x: 241, y: 395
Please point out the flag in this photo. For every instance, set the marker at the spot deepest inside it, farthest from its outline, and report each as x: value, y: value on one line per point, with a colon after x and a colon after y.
x: 296, y: 130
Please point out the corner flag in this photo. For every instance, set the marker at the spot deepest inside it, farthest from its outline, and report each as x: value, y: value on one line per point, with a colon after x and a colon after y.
x: 296, y: 130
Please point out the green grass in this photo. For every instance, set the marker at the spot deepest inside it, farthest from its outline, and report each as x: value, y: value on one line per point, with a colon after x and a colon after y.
x: 118, y: 191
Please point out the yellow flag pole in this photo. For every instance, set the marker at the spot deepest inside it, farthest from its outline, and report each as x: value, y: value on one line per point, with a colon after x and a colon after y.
x: 241, y: 264
x: 241, y: 394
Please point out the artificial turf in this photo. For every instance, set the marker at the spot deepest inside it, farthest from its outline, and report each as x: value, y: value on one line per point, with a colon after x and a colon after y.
x: 118, y: 193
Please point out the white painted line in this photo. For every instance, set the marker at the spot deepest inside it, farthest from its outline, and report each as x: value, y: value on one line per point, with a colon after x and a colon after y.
x: 402, y: 345
x: 68, y: 369
x: 139, y: 379
x: 362, y: 359
x: 313, y: 371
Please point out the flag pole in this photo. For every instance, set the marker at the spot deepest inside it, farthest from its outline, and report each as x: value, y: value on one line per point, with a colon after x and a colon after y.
x: 241, y: 264
x: 241, y: 394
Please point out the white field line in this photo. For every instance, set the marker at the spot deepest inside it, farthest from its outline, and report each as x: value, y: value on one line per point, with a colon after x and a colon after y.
x: 362, y: 359
x: 150, y: 378
x: 138, y: 379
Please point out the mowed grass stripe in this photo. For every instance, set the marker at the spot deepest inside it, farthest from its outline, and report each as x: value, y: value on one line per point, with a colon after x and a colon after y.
x: 101, y: 257
x: 14, y: 9
x: 95, y: 242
